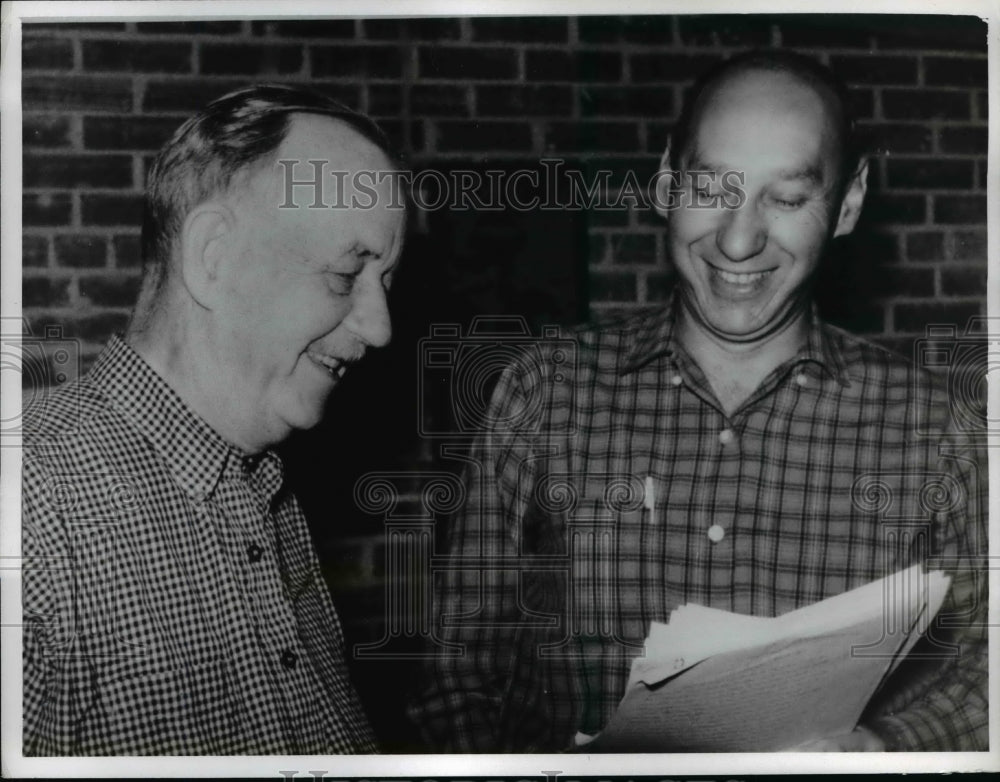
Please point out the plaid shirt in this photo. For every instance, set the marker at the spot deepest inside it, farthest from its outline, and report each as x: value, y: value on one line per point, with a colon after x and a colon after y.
x: 173, y: 601
x: 837, y: 470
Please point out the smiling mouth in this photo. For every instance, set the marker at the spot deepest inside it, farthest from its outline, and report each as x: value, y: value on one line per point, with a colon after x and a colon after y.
x: 334, y: 367
x: 741, y: 278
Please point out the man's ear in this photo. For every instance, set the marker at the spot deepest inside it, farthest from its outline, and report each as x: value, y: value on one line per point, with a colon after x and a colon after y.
x: 205, y: 239
x: 853, y: 200
x: 665, y: 178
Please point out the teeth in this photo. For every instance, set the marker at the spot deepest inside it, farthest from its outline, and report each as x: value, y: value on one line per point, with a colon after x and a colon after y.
x: 742, y: 279
x: 334, y: 366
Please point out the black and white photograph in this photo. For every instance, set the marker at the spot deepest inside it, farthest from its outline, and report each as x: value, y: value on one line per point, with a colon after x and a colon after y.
x: 429, y: 389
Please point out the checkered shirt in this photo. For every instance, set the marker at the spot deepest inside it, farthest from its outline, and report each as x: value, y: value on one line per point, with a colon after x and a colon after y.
x: 173, y: 601
x: 840, y: 468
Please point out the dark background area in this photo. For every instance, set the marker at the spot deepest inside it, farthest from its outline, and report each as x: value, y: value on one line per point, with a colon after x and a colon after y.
x: 597, y: 92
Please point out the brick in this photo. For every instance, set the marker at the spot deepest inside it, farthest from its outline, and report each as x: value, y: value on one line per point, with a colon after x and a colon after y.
x: 982, y: 105
x: 34, y: 250
x: 867, y: 318
x: 915, y: 318
x: 963, y: 140
x: 44, y: 292
x: 955, y: 71
x: 376, y: 62
x: 657, y: 134
x: 925, y: 104
x: 633, y: 248
x: 467, y: 63
x: 142, y: 57
x: 579, y: 66
x: 929, y: 173
x: 128, y: 132
x: 952, y: 209
x: 46, y: 54
x: 99, y: 328
x: 88, y: 93
x: 105, y: 291
x: 185, y: 95
x: 970, y: 246
x: 633, y: 29
x: 925, y: 246
x: 868, y: 69
x: 45, y: 130
x: 483, y: 136
x: 419, y: 29
x: 439, y: 100
x: 841, y: 31
x: 405, y: 134
x: 893, y: 138
x: 672, y: 68
x: 896, y: 208
x: 385, y: 99
x: 659, y: 285
x: 306, y: 28
x: 219, y: 27
x: 861, y: 103
x: 612, y: 285
x: 74, y: 171
x: 59, y: 28
x: 963, y: 281
x: 904, y: 281
x: 634, y: 101
x: 515, y: 100
x: 615, y: 170
x: 102, y: 209
x: 127, y: 250
x: 536, y: 29
x: 227, y: 59
x: 593, y: 136
x: 725, y: 29
x: 605, y: 218
x: 81, y: 250
x: 922, y: 32
x: 46, y: 208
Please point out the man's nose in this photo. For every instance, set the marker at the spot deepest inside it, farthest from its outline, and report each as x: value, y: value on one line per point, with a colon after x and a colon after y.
x: 742, y: 234
x: 369, y: 318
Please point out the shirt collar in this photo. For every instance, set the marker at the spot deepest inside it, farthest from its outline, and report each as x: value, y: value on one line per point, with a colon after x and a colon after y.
x: 654, y: 337
x: 196, y: 455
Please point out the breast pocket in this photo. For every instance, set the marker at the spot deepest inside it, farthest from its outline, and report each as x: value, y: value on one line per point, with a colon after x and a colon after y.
x: 173, y: 709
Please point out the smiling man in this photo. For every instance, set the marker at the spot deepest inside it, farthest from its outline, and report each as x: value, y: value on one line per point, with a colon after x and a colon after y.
x: 721, y: 451
x: 173, y: 601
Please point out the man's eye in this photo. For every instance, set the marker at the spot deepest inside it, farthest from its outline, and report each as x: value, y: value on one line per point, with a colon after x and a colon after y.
x: 343, y: 282
x: 789, y: 203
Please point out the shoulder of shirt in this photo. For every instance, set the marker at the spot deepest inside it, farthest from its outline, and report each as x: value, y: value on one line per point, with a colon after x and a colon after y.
x: 59, y: 418
x: 865, y: 360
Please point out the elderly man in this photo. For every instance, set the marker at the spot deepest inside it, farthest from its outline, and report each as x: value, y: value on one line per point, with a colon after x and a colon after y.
x: 172, y: 598
x: 749, y: 425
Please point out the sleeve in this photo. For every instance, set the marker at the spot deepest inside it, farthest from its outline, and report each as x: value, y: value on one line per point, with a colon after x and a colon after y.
x: 942, y: 702
x: 57, y: 673
x: 472, y: 673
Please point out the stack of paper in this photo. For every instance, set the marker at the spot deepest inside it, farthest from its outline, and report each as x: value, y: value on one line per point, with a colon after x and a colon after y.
x: 714, y: 681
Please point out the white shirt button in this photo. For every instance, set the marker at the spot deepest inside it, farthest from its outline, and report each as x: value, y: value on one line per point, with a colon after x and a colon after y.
x: 801, y: 379
x: 676, y: 380
x: 726, y: 436
x: 716, y: 533
x: 678, y: 663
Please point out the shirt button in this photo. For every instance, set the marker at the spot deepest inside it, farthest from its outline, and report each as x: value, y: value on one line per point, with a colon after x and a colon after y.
x: 726, y: 436
x: 289, y: 659
x: 801, y: 379
x: 676, y: 380
x: 199, y: 497
x: 254, y: 553
x: 678, y: 663
x: 716, y: 533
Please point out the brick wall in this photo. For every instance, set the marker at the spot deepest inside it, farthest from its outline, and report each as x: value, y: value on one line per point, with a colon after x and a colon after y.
x: 99, y: 99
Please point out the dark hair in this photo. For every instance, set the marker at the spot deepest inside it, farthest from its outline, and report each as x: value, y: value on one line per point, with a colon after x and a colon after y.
x: 798, y: 65
x: 229, y: 136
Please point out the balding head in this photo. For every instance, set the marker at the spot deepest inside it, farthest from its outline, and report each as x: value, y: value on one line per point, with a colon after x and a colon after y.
x: 780, y: 68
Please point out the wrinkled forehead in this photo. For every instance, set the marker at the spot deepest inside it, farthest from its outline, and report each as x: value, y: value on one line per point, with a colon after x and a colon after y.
x: 766, y: 112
